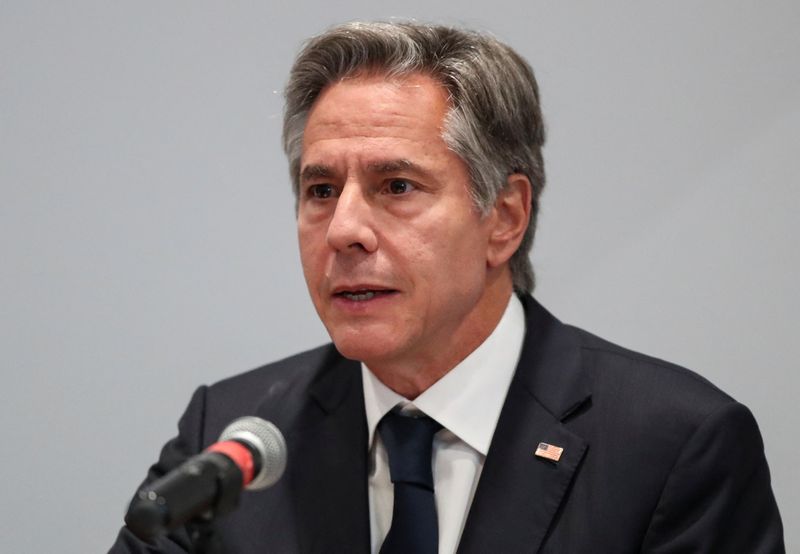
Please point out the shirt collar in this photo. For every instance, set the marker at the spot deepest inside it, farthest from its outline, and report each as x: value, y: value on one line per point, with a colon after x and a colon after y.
x: 468, y: 399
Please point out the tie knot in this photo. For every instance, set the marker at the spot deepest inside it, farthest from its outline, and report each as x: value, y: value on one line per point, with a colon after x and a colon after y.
x: 409, y: 444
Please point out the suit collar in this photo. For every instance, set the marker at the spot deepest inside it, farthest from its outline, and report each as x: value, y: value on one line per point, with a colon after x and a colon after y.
x: 550, y: 357
x: 468, y: 399
x: 519, y: 494
x: 333, y: 385
x: 328, y: 461
x: 550, y: 365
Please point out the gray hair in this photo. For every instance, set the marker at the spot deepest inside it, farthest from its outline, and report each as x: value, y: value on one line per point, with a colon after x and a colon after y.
x: 494, y: 123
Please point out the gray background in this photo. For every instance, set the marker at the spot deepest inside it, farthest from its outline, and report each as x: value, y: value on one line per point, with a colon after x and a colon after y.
x: 146, y: 224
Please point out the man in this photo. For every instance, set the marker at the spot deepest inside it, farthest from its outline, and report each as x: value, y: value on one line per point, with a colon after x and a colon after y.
x: 415, y: 154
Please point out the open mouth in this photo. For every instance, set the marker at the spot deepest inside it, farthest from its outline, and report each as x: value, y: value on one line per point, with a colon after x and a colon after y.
x: 363, y: 294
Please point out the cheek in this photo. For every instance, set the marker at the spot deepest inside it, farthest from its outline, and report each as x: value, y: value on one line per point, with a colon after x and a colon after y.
x: 310, y: 255
x: 448, y: 258
x: 462, y: 240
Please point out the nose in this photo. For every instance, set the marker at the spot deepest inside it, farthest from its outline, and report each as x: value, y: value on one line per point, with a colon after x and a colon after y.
x: 352, y: 224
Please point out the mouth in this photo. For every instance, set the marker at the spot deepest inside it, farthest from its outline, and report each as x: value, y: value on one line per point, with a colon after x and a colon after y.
x: 362, y: 294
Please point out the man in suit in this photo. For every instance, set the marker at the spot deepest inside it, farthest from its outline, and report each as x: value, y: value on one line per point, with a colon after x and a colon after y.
x: 415, y: 153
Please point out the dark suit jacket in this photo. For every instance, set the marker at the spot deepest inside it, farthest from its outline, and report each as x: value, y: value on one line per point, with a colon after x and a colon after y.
x: 656, y: 459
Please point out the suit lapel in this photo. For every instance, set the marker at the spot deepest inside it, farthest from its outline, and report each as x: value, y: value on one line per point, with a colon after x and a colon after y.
x: 519, y: 494
x: 328, y: 457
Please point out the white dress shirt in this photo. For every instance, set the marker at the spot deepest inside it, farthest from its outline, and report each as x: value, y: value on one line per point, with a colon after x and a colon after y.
x: 467, y: 402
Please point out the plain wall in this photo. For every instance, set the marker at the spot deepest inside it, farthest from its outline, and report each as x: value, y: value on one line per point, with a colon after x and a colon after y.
x: 147, y: 230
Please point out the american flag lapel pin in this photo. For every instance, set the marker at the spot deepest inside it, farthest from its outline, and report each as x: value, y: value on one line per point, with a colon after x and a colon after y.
x: 549, y: 451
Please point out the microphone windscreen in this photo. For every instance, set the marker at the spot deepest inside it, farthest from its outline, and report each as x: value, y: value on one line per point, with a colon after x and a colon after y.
x: 264, y: 438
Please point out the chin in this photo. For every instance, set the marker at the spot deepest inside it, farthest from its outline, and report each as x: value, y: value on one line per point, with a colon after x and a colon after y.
x: 357, y: 350
x: 362, y: 347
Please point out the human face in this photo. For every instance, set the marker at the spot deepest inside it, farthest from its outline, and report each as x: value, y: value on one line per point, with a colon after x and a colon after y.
x: 394, y: 251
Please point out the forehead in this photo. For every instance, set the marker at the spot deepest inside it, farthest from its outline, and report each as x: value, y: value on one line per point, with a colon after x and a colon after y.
x: 411, y: 108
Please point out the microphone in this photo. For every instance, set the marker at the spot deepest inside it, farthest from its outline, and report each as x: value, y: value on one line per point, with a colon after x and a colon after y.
x: 250, y: 455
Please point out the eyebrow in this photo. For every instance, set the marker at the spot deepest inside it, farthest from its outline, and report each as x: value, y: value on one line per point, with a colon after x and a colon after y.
x: 321, y: 171
x: 390, y: 166
x: 315, y: 171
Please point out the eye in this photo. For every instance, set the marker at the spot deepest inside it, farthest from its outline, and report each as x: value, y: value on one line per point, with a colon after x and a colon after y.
x: 399, y: 186
x: 320, y: 191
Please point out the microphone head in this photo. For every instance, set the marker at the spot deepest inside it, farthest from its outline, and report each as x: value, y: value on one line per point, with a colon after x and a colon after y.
x: 265, y: 439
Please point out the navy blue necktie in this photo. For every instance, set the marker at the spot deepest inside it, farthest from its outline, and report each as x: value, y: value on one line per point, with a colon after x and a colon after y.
x: 409, y: 444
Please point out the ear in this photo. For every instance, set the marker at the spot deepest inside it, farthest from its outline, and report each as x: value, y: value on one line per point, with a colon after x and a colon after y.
x: 511, y: 214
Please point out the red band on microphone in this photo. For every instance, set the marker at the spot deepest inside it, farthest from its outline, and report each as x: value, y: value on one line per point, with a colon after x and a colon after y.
x: 240, y: 455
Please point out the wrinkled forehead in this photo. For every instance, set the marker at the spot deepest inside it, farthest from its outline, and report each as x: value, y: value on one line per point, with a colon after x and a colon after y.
x: 376, y: 106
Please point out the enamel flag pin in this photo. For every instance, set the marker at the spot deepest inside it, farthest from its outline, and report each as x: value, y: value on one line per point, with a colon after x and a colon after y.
x: 549, y: 451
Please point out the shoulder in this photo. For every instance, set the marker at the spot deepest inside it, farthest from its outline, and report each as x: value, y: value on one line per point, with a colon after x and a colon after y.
x: 269, y: 390
x: 607, y: 360
x: 608, y: 364
x: 668, y: 454
x: 565, y: 364
x: 652, y: 407
x: 288, y: 373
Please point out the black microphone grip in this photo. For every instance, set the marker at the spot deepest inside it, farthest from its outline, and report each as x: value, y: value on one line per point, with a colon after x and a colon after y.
x: 206, y: 485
